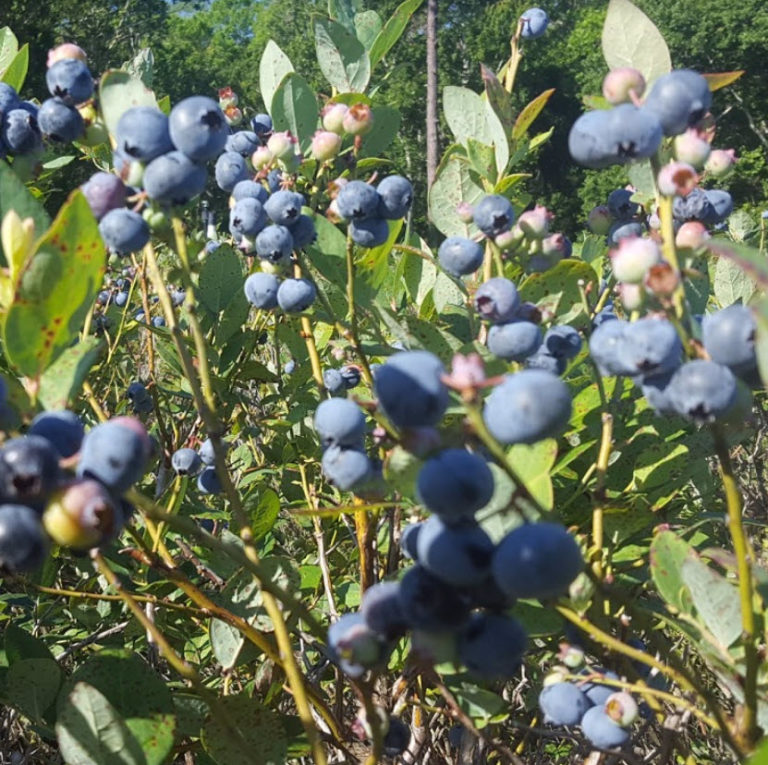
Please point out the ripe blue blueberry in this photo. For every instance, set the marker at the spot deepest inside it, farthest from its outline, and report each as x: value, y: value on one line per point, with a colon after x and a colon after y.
x: 460, y: 256
x: 9, y: 98
x: 370, y: 232
x: 380, y: 607
x: 605, y: 346
x: 729, y: 338
x: 230, y: 170
x: 354, y: 645
x: 596, y: 692
x: 124, y: 231
x: 702, y: 391
x: 186, y: 461
x: 346, y: 468
x: 59, y: 121
x: 284, y: 207
x: 601, y: 730
x: 273, y: 243
x: 174, y: 178
x: 334, y: 382
x: 20, y: 132
x: 198, y: 128
x: 247, y: 217
x: 562, y: 341
x: 721, y: 203
x: 340, y: 422
x: 679, y: 99
x: 142, y: 133
x: 303, y: 231
x: 243, y: 142
x: 696, y: 205
x: 208, y: 481
x: 23, y: 544
x: 528, y: 406
x: 409, y: 540
x: 396, y: 197
x: 650, y: 346
x: 104, y: 192
x: 261, y: 124
x: 536, y: 560
x: 563, y: 704
x: 621, y: 206
x: 207, y: 452
x: 261, y: 290
x: 63, y: 429
x: 428, y: 603
x: 534, y: 23
x: 455, y: 484
x: 251, y: 189
x: 493, y: 215
x: 351, y: 376
x: 492, y: 645
x: 410, y: 389
x: 514, y: 340
x: 71, y: 80
x: 397, y: 737
x: 29, y: 469
x: 497, y: 300
x: 357, y: 201
x: 296, y: 295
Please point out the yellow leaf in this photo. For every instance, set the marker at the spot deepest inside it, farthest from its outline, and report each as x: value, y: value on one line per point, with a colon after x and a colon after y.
x: 722, y: 79
x: 18, y: 239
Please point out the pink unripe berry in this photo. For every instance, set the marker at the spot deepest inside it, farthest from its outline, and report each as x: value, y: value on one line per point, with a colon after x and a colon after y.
x: 690, y: 147
x: 325, y: 145
x: 677, y: 178
x: 358, y: 120
x: 621, y: 84
x: 281, y: 144
x: 507, y: 239
x: 720, y: 162
x: 692, y: 234
x: 535, y: 223
x: 333, y: 117
x: 65, y: 50
x: 599, y: 220
x: 465, y: 212
x: 262, y: 158
x: 633, y: 257
x: 632, y: 295
x: 227, y: 97
x: 621, y: 708
x: 557, y: 245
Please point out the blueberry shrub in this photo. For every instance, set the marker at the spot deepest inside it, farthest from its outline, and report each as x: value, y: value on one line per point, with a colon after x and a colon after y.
x: 283, y: 479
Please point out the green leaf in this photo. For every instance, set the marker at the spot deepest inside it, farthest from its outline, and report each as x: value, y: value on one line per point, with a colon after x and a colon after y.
x: 141, y: 66
x: 667, y: 555
x: 55, y: 289
x: 557, y: 290
x: 341, y: 56
x: 344, y: 11
x: 716, y: 600
x: 641, y: 177
x: 533, y: 464
x: 480, y: 704
x: 118, y: 92
x: 529, y: 113
x: 394, y: 27
x: 62, y: 381
x: 631, y: 39
x: 16, y: 72
x: 220, y: 278
x: 761, y: 343
x: 294, y: 108
x: 9, y: 47
x: 731, y: 283
x: 471, y: 116
x: 498, y: 98
x: 264, y: 514
x: 273, y: 68
x: 760, y: 755
x: 696, y: 285
x: 137, y: 695
x: 446, y: 292
x: 259, y: 728
x: 31, y: 686
x: 386, y: 123
x: 375, y: 261
x: 19, y: 645
x: 368, y: 24
x: 90, y: 731
x: 482, y: 158
x: 452, y: 185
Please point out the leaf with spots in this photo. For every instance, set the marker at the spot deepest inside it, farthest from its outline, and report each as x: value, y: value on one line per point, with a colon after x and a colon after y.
x: 668, y: 554
x: 54, y: 290
x: 64, y: 378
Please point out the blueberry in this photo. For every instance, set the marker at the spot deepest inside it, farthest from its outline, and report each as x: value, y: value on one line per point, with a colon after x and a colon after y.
x: 492, y: 645
x: 243, y: 142
x: 71, y: 80
x: 274, y: 179
x: 346, y: 468
x: 273, y: 243
x: 230, y: 170
x: 497, y: 300
x: 251, y: 189
x: 9, y: 98
x: 397, y: 737
x: 63, y: 429
x: 409, y: 540
x: 303, y: 232
x: 370, y: 232
x: 354, y: 645
x: 721, y: 203
x: 650, y: 346
x: 605, y: 348
x: 380, y: 607
x: 563, y: 704
x: 601, y: 730
x: 621, y: 206
x: 410, y: 389
x: 460, y: 256
x: 458, y: 555
x: 679, y: 99
x: 208, y: 481
x: 23, y: 544
x: 198, y: 128
x: 174, y: 178
x: 142, y: 133
x: 598, y: 693
x: 428, y: 603
x: 351, y: 376
x: 729, y: 338
x: 534, y: 23
x: 536, y: 560
x: 247, y: 217
x: 696, y: 205
x: 334, y: 382
x: 296, y: 295
x: 115, y: 453
x: 623, y: 230
x: 124, y: 231
x: 340, y: 422
x: 493, y: 215
x: 654, y: 389
x: 562, y: 341
x: 396, y: 195
x: 121, y: 299
x: 186, y: 461
x: 527, y: 407
x: 284, y: 207
x: 261, y: 290
x: 358, y: 201
x: 702, y: 391
x: 514, y: 340
x: 29, y: 469
x: 59, y: 121
x: 290, y: 367
x: 454, y: 484
x: 104, y: 192
x: 261, y: 124
x: 20, y: 132
x: 137, y: 392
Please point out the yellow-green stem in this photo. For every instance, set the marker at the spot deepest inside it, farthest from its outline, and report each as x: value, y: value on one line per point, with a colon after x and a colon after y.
x: 606, y: 441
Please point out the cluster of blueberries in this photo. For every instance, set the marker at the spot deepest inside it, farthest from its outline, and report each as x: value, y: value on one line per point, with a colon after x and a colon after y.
x: 200, y: 463
x: 61, y: 484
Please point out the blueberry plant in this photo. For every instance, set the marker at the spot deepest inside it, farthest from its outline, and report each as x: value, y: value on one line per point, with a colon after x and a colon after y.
x: 284, y: 480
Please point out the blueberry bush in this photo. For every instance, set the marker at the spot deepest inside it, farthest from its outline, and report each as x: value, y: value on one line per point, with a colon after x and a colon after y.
x: 284, y: 479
